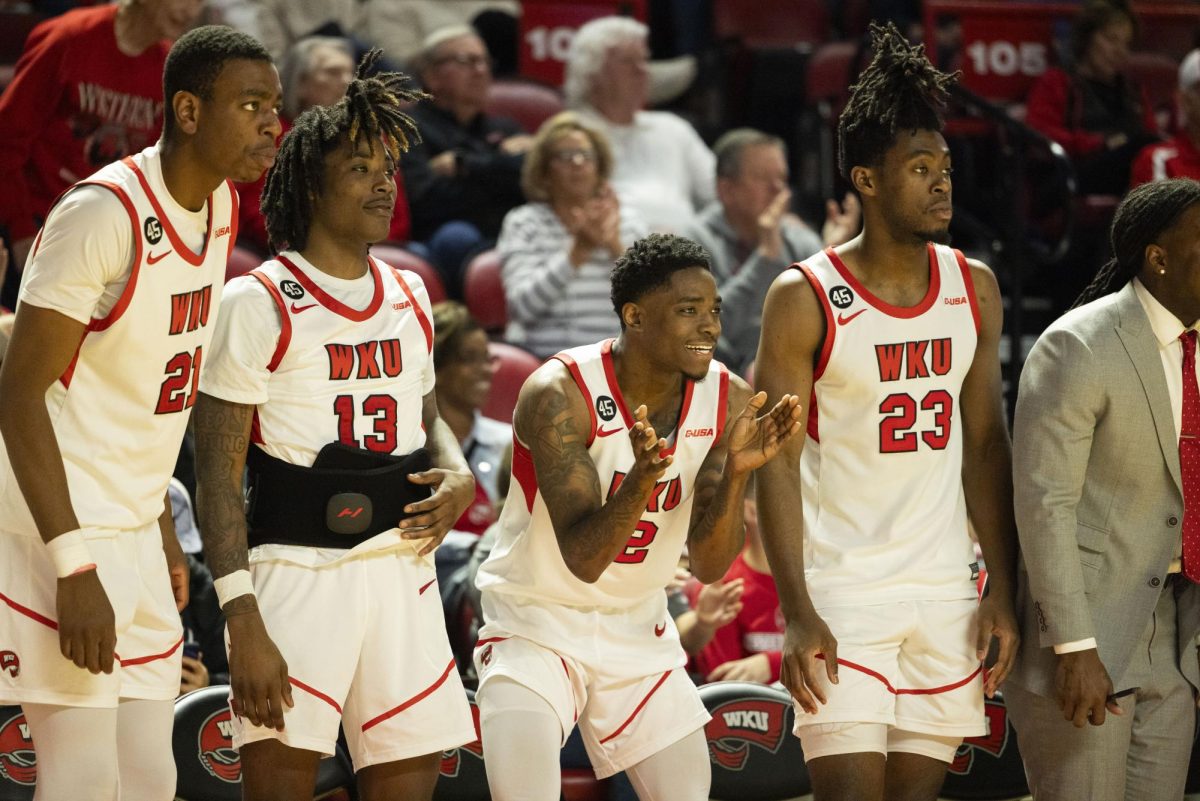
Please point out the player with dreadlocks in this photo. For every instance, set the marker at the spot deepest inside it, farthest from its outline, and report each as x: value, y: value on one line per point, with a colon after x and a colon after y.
x: 1106, y: 442
x: 895, y: 337
x: 320, y: 381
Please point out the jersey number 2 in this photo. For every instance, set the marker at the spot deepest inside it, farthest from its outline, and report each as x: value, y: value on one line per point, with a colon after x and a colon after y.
x: 900, y: 415
x: 639, y: 544
x: 178, y: 390
x: 380, y: 407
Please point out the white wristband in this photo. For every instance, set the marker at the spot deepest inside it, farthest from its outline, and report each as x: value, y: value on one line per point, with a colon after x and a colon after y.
x: 235, y: 585
x: 69, y: 553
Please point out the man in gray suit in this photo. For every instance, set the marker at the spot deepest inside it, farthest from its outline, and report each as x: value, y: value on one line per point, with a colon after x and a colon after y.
x: 1106, y: 592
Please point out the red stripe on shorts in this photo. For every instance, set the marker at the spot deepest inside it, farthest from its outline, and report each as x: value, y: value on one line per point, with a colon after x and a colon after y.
x: 418, y: 697
x: 637, y: 710
x: 945, y: 688
x: 487, y: 640
x: 315, y: 693
x: 29, y: 613
x: 141, y: 660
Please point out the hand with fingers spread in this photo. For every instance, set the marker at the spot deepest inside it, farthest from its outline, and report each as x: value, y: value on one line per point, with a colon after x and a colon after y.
x: 1083, y: 688
x: 754, y: 441
x: 258, y: 674
x: 809, y: 649
x: 718, y: 604
x: 770, y: 226
x: 433, y: 517
x: 997, y: 620
x: 842, y: 222
x: 649, y: 463
x: 87, y: 628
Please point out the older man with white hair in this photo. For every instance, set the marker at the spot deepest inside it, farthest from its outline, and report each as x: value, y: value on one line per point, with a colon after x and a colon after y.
x: 662, y: 168
x: 1179, y: 156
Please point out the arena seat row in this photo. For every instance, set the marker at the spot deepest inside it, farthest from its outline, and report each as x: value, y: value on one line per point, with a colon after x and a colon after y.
x: 753, y: 754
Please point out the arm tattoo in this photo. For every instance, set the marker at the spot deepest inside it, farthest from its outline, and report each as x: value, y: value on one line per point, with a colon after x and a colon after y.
x: 221, y: 443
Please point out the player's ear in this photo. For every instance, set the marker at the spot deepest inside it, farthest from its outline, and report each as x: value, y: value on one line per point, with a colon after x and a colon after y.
x: 186, y: 108
x: 631, y: 315
x: 863, y: 179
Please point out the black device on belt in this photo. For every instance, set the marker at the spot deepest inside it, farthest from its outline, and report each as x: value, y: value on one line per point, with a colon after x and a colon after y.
x: 348, y: 496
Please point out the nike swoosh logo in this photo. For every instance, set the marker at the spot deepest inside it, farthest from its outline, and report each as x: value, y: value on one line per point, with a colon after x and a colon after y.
x: 660, y: 629
x: 297, y: 309
x: 153, y: 259
x: 608, y: 432
x: 422, y: 590
x: 843, y: 319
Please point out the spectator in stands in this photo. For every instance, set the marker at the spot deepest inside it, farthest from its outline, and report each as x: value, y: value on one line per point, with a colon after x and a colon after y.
x: 710, y: 607
x: 1178, y: 157
x: 1098, y: 115
x: 558, y: 249
x: 315, y: 72
x: 751, y: 235
x: 87, y: 91
x: 465, y: 174
x: 660, y: 165
x: 464, y: 371
x: 749, y: 647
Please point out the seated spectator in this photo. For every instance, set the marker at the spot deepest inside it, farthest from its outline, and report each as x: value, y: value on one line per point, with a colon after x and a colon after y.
x: 315, y: 72
x: 87, y: 91
x: 1178, y: 157
x: 749, y: 648
x: 752, y: 237
x: 661, y: 166
x: 464, y: 370
x: 465, y: 174
x: 1094, y: 110
x: 558, y: 250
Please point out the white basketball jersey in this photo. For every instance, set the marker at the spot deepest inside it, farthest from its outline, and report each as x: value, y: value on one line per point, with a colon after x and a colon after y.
x: 884, y: 512
x: 526, y: 561
x: 355, y: 376
x: 120, y: 410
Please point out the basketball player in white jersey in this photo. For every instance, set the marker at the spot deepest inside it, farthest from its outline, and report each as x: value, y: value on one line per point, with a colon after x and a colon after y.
x: 115, y: 314
x: 342, y: 624
x: 865, y: 520
x: 624, y: 452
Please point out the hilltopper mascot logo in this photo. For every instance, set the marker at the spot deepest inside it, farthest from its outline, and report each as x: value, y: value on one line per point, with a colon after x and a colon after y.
x: 737, y: 725
x: 217, y: 753
x: 994, y: 742
x: 18, y: 763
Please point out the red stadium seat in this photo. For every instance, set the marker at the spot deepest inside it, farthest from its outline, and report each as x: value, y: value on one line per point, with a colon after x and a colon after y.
x: 1158, y: 75
x: 513, y: 366
x: 530, y: 104
x: 401, y: 259
x: 483, y: 291
x: 18, y: 763
x: 754, y: 755
x: 785, y: 24
x: 241, y: 261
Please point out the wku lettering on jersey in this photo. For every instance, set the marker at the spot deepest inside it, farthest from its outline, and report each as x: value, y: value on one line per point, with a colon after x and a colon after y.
x: 665, y: 496
x: 917, y: 359
x: 189, y: 310
x: 366, y: 360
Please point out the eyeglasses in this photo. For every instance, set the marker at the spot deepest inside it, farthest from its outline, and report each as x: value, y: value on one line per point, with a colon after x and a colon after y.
x: 469, y: 60
x: 576, y: 156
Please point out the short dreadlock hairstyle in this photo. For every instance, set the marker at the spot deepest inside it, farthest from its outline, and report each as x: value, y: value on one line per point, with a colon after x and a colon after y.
x: 197, y: 58
x: 899, y: 91
x: 370, y: 112
x: 648, y: 264
x: 1144, y: 215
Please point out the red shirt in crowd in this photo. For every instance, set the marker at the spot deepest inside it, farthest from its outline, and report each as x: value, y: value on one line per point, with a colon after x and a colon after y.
x: 758, y: 628
x: 1178, y: 157
x: 75, y: 104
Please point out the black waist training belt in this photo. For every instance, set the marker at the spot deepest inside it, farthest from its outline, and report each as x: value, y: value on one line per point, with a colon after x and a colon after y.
x: 348, y: 496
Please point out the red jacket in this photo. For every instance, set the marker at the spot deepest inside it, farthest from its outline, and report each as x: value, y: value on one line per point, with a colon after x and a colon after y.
x: 1055, y: 108
x: 1176, y: 158
x: 76, y: 103
x: 252, y: 228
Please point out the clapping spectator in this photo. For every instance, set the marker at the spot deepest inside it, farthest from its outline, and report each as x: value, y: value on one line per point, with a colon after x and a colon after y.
x: 464, y: 175
x: 661, y: 166
x: 558, y: 250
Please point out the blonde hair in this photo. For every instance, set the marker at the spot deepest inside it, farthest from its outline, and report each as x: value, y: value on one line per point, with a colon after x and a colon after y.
x: 535, y: 173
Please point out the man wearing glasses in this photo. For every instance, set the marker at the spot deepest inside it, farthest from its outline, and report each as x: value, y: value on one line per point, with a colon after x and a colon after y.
x: 466, y: 173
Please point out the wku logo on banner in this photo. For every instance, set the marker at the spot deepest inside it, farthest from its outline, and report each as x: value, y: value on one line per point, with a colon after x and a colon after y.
x: 18, y: 762
x: 994, y: 742
x: 737, y: 725
x: 452, y: 759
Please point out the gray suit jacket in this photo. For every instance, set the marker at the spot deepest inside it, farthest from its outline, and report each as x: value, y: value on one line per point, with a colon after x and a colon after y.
x: 1099, y: 503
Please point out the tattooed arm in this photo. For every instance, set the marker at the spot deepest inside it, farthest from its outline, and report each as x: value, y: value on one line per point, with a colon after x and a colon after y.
x: 257, y: 671
x: 552, y: 420
x: 717, y: 530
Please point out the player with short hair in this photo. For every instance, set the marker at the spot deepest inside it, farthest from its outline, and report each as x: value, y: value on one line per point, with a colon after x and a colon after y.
x: 624, y: 452
x: 115, y: 315
x: 321, y: 382
x: 895, y: 336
